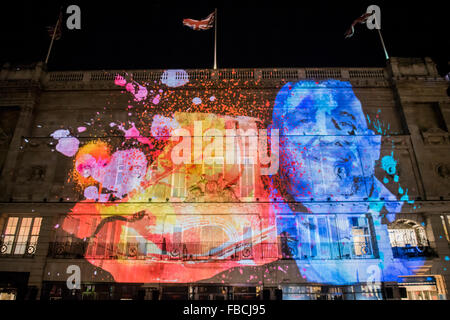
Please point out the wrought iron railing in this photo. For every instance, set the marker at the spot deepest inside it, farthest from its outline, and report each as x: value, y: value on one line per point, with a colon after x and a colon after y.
x: 293, y: 249
x: 209, y: 250
x: 14, y: 248
x: 173, y: 251
x: 221, y: 74
x: 413, y: 252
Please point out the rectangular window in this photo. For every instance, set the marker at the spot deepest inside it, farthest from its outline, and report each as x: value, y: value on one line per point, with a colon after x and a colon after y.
x: 318, y: 237
x: 10, y: 233
x: 360, y: 237
x: 176, y: 247
x: 179, y: 185
x: 120, y: 173
x: 325, y: 237
x: 213, y: 167
x: 247, y: 235
x: 21, y: 236
x: 403, y: 238
x: 289, y: 237
x: 444, y: 225
x: 248, y: 178
x: 312, y: 228
x: 334, y: 243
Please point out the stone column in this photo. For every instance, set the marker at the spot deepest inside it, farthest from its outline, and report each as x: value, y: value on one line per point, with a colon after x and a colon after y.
x: 23, y: 128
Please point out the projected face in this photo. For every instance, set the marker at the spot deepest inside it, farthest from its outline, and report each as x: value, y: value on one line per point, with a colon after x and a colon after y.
x: 328, y: 153
x: 325, y: 141
x: 166, y: 210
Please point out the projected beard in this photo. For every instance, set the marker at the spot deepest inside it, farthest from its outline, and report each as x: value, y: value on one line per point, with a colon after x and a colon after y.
x: 327, y: 153
x: 176, y: 241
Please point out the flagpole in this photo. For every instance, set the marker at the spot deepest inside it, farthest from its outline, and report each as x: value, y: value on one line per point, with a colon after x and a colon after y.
x: 381, y: 38
x: 215, y: 38
x: 53, y: 38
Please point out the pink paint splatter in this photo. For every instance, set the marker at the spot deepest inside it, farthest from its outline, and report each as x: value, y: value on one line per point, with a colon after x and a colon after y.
x: 156, y: 99
x: 134, y: 133
x: 281, y: 269
x: 120, y: 81
x: 140, y: 95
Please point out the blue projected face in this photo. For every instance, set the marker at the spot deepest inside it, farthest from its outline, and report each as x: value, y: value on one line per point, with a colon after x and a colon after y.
x: 327, y: 153
x: 324, y: 141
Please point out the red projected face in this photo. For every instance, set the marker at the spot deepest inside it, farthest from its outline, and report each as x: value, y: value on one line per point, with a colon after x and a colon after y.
x: 194, y: 227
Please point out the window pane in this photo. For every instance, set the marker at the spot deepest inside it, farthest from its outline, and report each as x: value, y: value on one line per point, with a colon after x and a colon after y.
x: 36, y: 226
x: 324, y: 240
x: 247, y: 236
x: 335, y: 254
x: 247, y: 178
x: 8, y: 243
x: 303, y: 237
x: 361, y: 236
x: 312, y: 236
x: 213, y: 166
x: 22, y: 237
x: 11, y: 226
x: 445, y: 228
x: 345, y: 237
x: 179, y: 185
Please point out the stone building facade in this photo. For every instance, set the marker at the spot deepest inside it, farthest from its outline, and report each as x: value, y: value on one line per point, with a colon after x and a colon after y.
x: 404, y: 104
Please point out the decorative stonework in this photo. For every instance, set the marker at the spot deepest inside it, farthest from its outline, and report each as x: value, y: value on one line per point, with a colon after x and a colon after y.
x: 219, y: 190
x: 435, y: 136
x: 37, y: 173
x: 397, y: 141
x: 443, y: 170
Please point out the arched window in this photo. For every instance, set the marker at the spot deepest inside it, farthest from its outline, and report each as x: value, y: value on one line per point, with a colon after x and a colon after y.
x: 408, y: 239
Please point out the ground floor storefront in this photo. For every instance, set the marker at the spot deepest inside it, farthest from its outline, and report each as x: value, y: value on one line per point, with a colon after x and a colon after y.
x: 427, y: 288
x: 15, y: 286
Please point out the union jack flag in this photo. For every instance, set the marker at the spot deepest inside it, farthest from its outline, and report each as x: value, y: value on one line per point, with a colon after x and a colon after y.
x: 205, y: 24
x: 51, y: 29
x: 361, y: 20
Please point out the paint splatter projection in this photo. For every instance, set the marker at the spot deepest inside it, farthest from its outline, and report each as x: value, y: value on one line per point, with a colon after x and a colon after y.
x: 163, y: 195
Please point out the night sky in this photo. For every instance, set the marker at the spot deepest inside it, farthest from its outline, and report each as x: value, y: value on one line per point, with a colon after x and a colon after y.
x: 150, y: 34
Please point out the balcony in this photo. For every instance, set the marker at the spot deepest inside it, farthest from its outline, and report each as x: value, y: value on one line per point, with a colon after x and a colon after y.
x: 209, y: 251
x: 293, y: 249
x: 159, y: 251
x: 17, y: 249
x: 409, y: 252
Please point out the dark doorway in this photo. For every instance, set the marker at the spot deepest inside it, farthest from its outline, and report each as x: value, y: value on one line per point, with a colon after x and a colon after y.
x: 13, y: 285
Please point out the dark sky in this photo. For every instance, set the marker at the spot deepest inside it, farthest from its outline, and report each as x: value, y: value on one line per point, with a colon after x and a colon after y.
x: 150, y: 34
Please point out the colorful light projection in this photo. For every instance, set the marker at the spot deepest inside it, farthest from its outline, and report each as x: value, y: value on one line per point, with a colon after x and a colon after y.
x: 326, y: 154
x: 209, y: 242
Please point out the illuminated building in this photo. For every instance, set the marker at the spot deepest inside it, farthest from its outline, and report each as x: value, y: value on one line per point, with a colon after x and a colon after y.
x: 324, y: 183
